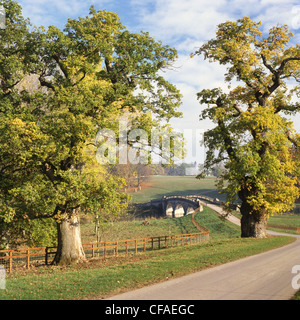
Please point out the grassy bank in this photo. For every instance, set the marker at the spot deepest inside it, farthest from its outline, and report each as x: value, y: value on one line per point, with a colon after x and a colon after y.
x: 218, y: 228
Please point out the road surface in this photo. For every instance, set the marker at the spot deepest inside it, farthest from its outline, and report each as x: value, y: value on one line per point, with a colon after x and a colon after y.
x: 265, y: 276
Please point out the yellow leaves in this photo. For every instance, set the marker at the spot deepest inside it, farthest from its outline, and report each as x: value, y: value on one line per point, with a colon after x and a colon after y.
x: 22, y: 126
x: 273, y: 48
x: 219, y: 114
x: 23, y: 136
x: 262, y: 119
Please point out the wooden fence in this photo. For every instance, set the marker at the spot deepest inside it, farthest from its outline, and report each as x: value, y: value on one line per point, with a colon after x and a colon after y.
x: 11, y: 259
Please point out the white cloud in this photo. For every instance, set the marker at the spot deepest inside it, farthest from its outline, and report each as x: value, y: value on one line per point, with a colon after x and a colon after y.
x: 177, y: 19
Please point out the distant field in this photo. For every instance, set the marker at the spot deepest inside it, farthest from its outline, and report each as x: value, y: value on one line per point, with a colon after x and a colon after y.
x: 175, y: 185
x: 285, y: 223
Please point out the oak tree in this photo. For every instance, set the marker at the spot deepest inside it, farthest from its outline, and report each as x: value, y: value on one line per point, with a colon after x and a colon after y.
x: 253, y: 135
x: 84, y: 79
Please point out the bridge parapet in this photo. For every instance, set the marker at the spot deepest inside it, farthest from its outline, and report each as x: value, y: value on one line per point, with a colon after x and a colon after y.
x: 177, y: 206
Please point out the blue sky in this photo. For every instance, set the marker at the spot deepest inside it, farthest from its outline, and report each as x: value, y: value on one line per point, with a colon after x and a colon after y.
x: 184, y: 25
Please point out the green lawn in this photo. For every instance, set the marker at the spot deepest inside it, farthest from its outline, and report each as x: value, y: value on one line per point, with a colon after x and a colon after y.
x: 285, y: 223
x: 297, y: 296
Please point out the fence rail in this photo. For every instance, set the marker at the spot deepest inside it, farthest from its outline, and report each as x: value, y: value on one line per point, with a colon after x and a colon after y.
x: 11, y: 259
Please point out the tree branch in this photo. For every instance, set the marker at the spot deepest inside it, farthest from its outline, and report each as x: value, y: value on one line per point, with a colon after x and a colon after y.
x: 285, y: 61
x: 267, y: 65
x: 48, y: 170
x: 45, y: 83
x: 238, y: 109
x: 288, y: 108
x: 84, y: 74
x: 276, y: 76
x: 61, y: 65
x: 227, y: 140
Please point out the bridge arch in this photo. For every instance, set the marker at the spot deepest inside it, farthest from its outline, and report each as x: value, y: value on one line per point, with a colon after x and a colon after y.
x: 169, y: 210
x: 179, y: 211
x: 189, y: 210
x: 178, y: 206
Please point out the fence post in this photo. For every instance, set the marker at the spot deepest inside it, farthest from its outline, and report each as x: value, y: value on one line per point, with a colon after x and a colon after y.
x: 152, y: 243
x: 144, y: 244
x: 46, y: 256
x: 10, y: 261
x: 126, y: 247
x: 135, y: 246
x: 28, y: 258
x: 104, y: 250
x: 117, y: 246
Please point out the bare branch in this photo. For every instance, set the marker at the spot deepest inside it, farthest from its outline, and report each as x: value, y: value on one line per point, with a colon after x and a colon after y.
x: 238, y: 109
x: 267, y: 65
x: 288, y: 108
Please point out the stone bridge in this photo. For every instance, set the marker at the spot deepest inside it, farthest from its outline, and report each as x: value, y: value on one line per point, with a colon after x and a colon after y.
x: 178, y: 206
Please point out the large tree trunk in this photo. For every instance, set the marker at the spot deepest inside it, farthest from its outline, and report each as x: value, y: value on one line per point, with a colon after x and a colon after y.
x: 69, y: 249
x: 253, y: 225
x: 253, y: 222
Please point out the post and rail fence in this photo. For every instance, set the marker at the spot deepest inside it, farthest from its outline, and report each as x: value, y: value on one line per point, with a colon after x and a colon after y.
x: 12, y: 259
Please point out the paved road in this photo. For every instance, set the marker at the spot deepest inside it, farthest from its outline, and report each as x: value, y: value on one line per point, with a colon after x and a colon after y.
x: 266, y: 276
